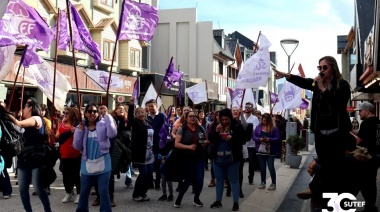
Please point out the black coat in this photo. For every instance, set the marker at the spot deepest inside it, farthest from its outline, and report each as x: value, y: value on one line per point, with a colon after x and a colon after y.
x: 139, y: 137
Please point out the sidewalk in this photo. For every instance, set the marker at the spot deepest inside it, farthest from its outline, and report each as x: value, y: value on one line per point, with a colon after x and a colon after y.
x: 263, y: 200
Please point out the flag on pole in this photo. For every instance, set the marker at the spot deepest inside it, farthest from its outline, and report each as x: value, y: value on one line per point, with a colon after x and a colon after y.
x: 137, y: 21
x: 6, y: 60
x: 63, y: 34
x: 255, y: 71
x: 101, y: 79
x: 172, y: 76
x: 164, y: 131
x: 238, y: 97
x: 229, y: 97
x: 82, y: 40
x: 151, y: 93
x: 42, y: 76
x: 304, y: 105
x: 289, y: 97
x: 197, y: 93
x: 136, y: 91
x: 273, y: 97
x: 180, y: 90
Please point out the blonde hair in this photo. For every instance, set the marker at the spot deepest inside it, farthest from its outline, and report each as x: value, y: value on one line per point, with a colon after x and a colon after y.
x: 139, y: 109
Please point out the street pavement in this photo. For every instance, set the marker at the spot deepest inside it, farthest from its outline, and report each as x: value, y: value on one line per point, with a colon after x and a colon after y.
x: 289, y: 182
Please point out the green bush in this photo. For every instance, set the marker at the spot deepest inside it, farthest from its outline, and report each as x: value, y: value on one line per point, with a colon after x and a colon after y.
x: 296, y: 143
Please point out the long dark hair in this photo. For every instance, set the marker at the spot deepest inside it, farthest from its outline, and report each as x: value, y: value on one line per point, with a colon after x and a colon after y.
x: 85, y: 110
x: 45, y: 108
x: 36, y: 109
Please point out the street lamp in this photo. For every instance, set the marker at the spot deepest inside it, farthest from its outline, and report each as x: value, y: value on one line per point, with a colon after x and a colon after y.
x: 186, y: 77
x: 289, y: 45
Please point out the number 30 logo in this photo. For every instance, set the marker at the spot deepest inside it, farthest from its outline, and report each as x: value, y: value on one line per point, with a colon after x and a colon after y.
x: 335, y: 202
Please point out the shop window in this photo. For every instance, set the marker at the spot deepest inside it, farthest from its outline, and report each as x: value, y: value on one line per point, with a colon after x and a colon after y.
x: 108, y: 48
x: 107, y: 2
x: 135, y: 57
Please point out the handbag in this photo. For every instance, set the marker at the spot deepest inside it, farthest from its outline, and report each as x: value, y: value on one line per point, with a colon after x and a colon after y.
x: 264, y: 148
x: 11, y: 140
x: 96, y: 165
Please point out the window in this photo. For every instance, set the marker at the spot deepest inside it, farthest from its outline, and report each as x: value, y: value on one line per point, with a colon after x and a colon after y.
x: 108, y: 48
x: 220, y: 68
x: 107, y: 2
x: 134, y: 57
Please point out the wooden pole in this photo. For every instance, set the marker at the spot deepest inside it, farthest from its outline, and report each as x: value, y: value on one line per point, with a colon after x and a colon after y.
x: 254, y: 51
x: 22, y: 91
x: 162, y: 83
x: 14, y: 83
x: 55, y: 70
x: 109, y: 77
x: 73, y: 53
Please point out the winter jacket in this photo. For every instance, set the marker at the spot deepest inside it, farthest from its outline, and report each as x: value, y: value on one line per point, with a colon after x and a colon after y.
x: 274, y: 140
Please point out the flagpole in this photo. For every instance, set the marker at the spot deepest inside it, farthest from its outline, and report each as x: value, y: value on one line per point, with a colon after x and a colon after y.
x: 109, y: 77
x: 14, y: 83
x: 55, y: 70
x: 292, y: 68
x: 22, y: 91
x: 162, y: 83
x: 271, y: 110
x: 73, y: 53
x: 254, y: 51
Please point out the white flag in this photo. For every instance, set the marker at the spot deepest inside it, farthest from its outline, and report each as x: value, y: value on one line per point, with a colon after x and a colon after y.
x: 151, y: 93
x: 101, y: 79
x: 42, y: 75
x: 197, y: 93
x: 255, y: 71
x: 262, y: 109
x: 6, y: 60
x: 238, y: 96
x: 290, y: 97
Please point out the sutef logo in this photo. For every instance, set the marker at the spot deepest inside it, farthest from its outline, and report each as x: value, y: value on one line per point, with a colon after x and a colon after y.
x: 343, y: 202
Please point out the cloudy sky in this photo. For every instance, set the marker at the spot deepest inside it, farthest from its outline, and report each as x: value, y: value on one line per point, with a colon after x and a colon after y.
x: 315, y: 23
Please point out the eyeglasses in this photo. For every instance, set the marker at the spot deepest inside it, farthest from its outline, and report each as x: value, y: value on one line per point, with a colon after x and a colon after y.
x: 191, y: 116
x: 248, y: 107
x: 324, y: 67
x: 92, y: 111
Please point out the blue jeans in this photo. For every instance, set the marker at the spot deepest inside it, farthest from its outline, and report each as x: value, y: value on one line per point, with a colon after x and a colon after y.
x: 224, y: 171
x: 24, y: 176
x: 264, y: 160
x: 143, y: 180
x: 87, y: 181
x: 6, y: 186
x: 195, y: 176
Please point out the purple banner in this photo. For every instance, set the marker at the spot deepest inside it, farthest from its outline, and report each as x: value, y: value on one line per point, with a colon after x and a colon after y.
x: 304, y: 105
x: 180, y: 91
x: 273, y: 97
x: 82, y: 39
x: 232, y: 93
x: 172, y: 76
x: 63, y: 34
x: 137, y: 21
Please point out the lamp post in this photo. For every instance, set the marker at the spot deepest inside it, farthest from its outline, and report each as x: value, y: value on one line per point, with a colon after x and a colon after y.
x: 186, y: 77
x: 289, y: 45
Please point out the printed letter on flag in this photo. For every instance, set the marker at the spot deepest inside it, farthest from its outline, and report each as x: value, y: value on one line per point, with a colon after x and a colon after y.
x: 137, y: 21
x: 151, y: 93
x: 197, y: 93
x: 289, y: 97
x: 238, y: 96
x: 255, y: 71
x: 101, y: 79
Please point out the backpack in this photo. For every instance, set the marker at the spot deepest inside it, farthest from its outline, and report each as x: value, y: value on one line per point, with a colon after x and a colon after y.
x: 11, y: 140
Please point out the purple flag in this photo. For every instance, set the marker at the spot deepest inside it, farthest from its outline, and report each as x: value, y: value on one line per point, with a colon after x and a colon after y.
x: 180, y: 91
x: 136, y: 90
x: 137, y: 21
x: 304, y: 105
x: 172, y: 76
x: 63, y: 34
x: 164, y: 131
x: 82, y: 39
x: 232, y: 93
x: 273, y: 97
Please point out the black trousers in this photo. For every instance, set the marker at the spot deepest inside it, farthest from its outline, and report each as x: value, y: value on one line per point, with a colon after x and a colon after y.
x: 70, y: 168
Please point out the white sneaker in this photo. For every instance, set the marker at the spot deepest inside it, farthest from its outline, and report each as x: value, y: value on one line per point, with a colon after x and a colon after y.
x: 67, y: 198
x: 77, y: 199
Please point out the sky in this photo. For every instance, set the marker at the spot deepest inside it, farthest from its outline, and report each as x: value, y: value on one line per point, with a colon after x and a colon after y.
x: 315, y: 23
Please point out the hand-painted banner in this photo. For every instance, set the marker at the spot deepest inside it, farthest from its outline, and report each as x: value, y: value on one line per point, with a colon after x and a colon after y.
x: 151, y: 93
x: 197, y: 93
x: 255, y: 71
x: 101, y: 79
x: 42, y: 75
x: 6, y: 60
x: 137, y: 21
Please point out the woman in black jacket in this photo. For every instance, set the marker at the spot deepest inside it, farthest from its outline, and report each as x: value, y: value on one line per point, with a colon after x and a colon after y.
x: 142, y: 151
x: 227, y: 141
x: 329, y: 119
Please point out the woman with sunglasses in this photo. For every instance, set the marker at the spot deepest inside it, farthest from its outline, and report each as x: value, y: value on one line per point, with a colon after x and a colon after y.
x: 267, y: 138
x: 70, y: 158
x: 92, y: 139
x: 29, y: 170
x: 330, y: 121
x: 191, y: 138
x: 227, y: 142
